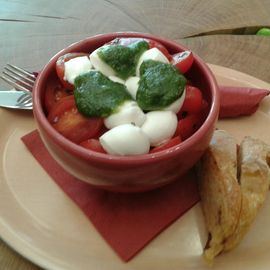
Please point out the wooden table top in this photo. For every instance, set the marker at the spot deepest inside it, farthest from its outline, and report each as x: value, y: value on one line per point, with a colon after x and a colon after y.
x: 221, y: 32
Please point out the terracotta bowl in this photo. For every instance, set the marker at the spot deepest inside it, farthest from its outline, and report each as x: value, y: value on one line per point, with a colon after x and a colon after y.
x: 127, y: 173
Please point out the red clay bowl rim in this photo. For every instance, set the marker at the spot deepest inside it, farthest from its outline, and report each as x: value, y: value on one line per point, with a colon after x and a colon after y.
x: 86, y: 154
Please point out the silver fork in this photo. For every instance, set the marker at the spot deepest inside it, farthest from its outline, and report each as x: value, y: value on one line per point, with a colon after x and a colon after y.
x: 21, y: 80
x: 25, y: 101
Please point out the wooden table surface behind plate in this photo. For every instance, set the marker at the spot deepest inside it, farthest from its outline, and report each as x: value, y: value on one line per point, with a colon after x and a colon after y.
x: 221, y: 32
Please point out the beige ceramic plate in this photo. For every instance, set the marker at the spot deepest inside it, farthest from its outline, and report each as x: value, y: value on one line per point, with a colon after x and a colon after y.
x: 40, y: 222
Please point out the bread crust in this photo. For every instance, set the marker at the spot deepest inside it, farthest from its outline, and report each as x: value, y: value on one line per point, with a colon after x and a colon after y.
x: 254, y: 156
x: 220, y: 191
x: 230, y: 206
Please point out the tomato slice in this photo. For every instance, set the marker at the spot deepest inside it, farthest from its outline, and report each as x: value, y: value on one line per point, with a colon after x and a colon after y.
x: 100, y: 132
x: 94, y: 145
x: 193, y: 100
x: 66, y: 119
x: 60, y: 67
x: 187, y: 126
x: 190, y: 122
x: 183, y: 61
x: 172, y: 142
x: 60, y: 107
x: 152, y: 44
x: 54, y: 92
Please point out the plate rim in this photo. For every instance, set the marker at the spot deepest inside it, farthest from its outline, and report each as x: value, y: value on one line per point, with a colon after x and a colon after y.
x: 32, y: 254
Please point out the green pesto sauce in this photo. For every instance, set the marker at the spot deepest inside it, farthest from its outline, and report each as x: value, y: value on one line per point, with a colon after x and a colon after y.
x: 160, y: 85
x: 96, y: 95
x: 123, y: 59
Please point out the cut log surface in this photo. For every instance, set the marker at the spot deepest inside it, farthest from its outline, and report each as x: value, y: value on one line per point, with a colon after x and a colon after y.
x: 245, y: 53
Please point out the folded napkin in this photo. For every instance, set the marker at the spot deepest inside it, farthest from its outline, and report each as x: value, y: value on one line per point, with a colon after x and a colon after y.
x: 128, y: 222
x: 238, y: 101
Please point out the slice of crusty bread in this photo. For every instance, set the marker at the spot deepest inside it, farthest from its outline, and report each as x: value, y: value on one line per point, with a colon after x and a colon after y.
x: 220, y: 192
x: 254, y: 162
x: 230, y: 207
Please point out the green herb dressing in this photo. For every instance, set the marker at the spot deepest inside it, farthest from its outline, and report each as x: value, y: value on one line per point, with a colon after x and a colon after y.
x: 98, y: 96
x: 123, y: 59
x: 160, y: 85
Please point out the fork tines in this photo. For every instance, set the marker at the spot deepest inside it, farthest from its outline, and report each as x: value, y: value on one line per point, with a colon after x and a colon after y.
x: 25, y: 101
x: 19, y: 78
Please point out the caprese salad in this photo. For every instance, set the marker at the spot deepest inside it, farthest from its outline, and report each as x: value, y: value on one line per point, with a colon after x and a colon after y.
x: 128, y: 97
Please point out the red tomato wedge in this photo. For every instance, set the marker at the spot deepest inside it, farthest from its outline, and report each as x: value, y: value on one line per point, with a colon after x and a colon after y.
x: 152, y: 44
x: 62, y: 106
x: 172, y: 142
x: 193, y: 100
x: 60, y: 67
x: 54, y: 92
x: 101, y: 132
x: 93, y: 144
x: 189, y: 123
x: 183, y: 61
x: 187, y: 126
x: 66, y: 119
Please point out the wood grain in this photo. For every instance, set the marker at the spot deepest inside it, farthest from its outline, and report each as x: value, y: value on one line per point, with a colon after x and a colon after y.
x: 248, y: 53
x: 33, y: 31
x: 169, y: 18
x: 10, y: 260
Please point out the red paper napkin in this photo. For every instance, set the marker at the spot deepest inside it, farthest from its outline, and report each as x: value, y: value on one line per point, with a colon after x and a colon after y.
x: 238, y: 101
x: 126, y: 221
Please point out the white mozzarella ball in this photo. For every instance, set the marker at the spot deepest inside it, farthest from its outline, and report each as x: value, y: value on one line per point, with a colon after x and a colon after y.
x: 132, y: 84
x: 159, y: 126
x: 152, y: 54
x: 176, y: 105
x: 116, y: 79
x: 75, y: 67
x: 128, y: 113
x: 124, y: 140
x: 100, y: 65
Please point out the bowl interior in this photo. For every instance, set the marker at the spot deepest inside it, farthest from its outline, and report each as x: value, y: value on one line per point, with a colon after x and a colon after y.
x: 199, y: 74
